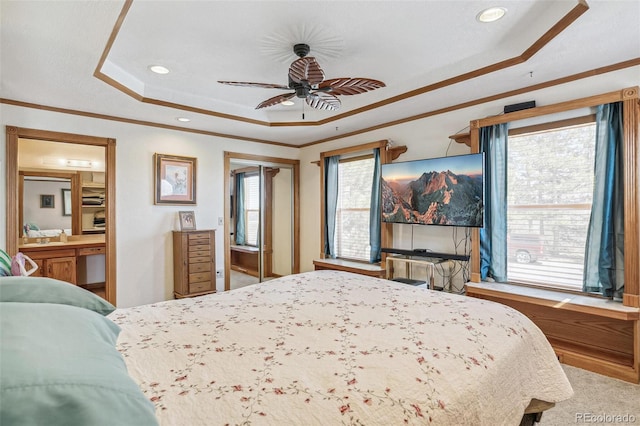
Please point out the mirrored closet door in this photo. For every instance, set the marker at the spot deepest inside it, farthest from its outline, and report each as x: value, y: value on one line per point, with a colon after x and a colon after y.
x: 261, y: 222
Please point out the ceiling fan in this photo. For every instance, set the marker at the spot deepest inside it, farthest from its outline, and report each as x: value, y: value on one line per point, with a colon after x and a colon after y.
x: 306, y: 79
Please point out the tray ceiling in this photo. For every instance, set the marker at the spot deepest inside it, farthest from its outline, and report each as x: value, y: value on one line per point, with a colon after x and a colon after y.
x: 94, y: 57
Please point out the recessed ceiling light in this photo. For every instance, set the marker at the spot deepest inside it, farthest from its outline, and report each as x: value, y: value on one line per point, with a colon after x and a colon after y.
x: 159, y: 69
x: 288, y: 103
x: 183, y: 119
x: 491, y: 15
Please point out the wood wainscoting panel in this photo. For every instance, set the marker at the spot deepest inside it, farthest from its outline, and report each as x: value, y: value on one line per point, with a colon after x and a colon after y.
x: 592, y: 341
x: 605, y: 338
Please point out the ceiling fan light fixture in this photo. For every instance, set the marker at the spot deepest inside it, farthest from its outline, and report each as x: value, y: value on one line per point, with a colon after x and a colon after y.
x: 491, y: 14
x: 158, y: 69
x: 307, y: 81
x: 287, y: 103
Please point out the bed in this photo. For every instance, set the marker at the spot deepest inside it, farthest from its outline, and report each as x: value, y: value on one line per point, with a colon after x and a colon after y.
x: 318, y: 348
x: 46, y: 233
x: 331, y: 347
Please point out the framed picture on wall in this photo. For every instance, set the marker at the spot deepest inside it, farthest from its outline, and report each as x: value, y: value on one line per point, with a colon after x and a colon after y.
x: 47, y: 201
x: 175, y: 179
x: 187, y: 221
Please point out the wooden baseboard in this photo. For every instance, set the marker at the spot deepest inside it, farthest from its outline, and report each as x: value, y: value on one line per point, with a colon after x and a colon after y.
x: 372, y: 270
x: 251, y: 272
x: 596, y: 365
x: 184, y: 296
x: 93, y: 286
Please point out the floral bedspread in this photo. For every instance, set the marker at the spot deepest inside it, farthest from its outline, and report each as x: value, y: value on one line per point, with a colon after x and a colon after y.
x: 331, y: 348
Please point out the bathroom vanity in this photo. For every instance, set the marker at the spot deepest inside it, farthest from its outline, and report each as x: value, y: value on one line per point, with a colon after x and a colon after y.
x: 69, y: 261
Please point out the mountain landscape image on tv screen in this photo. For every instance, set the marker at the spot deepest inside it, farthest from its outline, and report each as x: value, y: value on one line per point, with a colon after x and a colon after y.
x: 435, y: 191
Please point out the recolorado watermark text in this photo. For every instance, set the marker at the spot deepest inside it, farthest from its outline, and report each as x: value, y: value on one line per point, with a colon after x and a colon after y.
x: 605, y: 418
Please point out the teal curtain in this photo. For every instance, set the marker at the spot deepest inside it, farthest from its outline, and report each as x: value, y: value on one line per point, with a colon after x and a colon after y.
x: 375, y: 211
x: 240, y: 219
x: 493, y: 236
x: 604, y: 254
x: 330, y: 204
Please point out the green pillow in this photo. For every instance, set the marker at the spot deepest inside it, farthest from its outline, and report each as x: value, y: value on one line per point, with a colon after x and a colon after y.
x: 5, y: 264
x: 59, y: 366
x: 48, y: 290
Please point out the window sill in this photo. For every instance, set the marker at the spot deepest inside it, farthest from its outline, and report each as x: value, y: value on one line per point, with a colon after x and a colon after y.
x: 555, y: 299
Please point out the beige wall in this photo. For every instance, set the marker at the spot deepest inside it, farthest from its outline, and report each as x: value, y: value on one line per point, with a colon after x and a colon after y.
x: 144, y: 248
x: 144, y: 261
x: 426, y: 138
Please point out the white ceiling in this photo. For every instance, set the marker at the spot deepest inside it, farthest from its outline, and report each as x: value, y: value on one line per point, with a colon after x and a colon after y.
x: 62, y: 54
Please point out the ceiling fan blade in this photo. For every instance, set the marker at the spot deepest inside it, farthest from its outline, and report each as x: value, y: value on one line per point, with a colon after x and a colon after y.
x: 350, y: 86
x: 306, y: 69
x: 321, y: 100
x: 261, y: 85
x: 275, y: 100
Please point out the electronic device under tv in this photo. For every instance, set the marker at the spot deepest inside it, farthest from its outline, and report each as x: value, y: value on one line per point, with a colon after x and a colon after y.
x: 435, y: 191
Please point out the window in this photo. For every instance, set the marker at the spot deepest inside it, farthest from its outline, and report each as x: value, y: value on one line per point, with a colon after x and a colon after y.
x: 252, y: 209
x: 550, y: 178
x: 618, y: 193
x: 346, y: 197
x: 352, y: 213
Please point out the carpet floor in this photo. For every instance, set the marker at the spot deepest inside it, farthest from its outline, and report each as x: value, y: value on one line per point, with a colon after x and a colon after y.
x: 597, y: 400
x: 239, y: 279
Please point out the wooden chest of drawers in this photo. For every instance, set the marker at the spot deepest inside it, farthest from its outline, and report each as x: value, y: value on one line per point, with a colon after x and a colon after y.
x: 194, y: 263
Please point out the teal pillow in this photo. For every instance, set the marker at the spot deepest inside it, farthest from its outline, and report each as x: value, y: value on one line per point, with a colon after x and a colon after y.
x: 48, y: 290
x: 59, y: 366
x: 5, y: 264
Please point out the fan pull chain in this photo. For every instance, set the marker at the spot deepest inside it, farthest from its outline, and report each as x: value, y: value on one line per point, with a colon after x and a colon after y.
x: 302, y: 110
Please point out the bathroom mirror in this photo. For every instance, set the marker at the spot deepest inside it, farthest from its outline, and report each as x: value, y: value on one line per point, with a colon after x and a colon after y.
x: 92, y: 241
x: 38, y: 221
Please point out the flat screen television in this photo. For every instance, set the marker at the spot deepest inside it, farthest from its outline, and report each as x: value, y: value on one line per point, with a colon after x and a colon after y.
x: 435, y: 191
